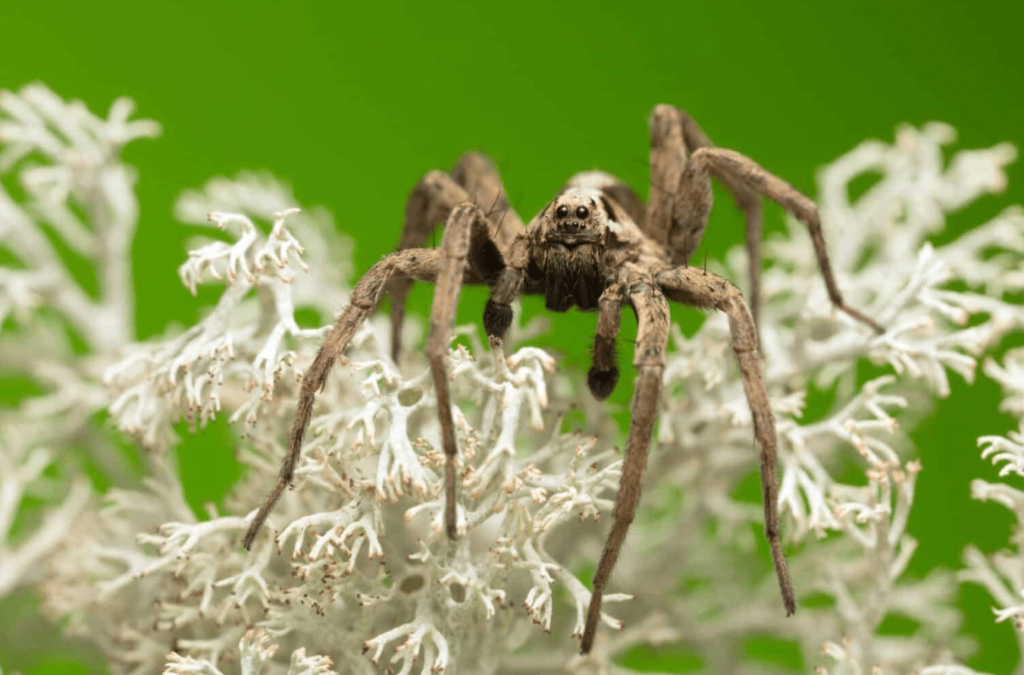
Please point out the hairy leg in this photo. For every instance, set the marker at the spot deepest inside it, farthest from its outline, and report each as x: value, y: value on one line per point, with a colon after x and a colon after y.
x: 478, y: 176
x: 474, y: 179
x: 652, y: 337
x: 734, y: 166
x: 669, y: 126
x: 420, y: 264
x: 466, y: 238
x: 668, y: 161
x: 696, y: 288
x: 681, y: 208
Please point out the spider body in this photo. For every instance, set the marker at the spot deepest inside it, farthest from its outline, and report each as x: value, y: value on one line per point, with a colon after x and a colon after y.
x: 596, y: 247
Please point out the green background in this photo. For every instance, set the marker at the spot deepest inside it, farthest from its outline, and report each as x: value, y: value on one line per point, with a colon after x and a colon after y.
x: 352, y: 103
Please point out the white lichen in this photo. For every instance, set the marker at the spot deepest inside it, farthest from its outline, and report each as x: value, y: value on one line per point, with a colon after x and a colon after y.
x: 353, y: 564
x: 1002, y: 573
x: 255, y: 652
x: 62, y: 162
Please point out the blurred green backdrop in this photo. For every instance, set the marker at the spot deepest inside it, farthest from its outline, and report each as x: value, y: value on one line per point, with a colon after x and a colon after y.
x: 353, y: 102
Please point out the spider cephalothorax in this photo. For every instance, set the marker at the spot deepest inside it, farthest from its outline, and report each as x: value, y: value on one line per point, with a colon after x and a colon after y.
x: 596, y: 246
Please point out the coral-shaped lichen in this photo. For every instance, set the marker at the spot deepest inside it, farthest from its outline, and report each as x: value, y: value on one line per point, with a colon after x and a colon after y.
x: 64, y: 194
x: 353, y: 564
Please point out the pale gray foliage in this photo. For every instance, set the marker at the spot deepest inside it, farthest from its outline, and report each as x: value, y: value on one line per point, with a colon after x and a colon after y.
x: 1002, y: 573
x: 353, y: 565
x: 62, y: 163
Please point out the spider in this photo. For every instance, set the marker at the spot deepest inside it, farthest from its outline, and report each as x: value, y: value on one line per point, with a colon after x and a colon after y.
x: 596, y: 246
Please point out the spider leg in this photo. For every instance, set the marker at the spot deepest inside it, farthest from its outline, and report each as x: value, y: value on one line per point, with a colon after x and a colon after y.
x: 604, y: 374
x: 467, y: 238
x: 474, y: 178
x: 680, y: 209
x: 668, y: 161
x: 478, y: 176
x: 652, y: 337
x: 721, y: 162
x: 696, y: 288
x: 420, y: 264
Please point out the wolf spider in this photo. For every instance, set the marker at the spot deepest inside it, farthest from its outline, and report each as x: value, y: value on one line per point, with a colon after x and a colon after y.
x: 596, y: 246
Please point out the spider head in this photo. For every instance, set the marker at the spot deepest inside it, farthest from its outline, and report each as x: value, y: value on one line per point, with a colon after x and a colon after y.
x: 577, y: 216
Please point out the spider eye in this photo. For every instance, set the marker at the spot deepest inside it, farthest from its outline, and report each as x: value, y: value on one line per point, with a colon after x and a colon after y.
x: 562, y: 211
x: 582, y: 212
